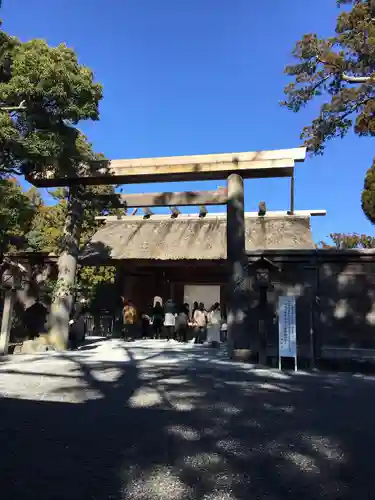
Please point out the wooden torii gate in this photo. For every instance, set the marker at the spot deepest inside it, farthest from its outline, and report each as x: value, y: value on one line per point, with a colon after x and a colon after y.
x: 234, y: 167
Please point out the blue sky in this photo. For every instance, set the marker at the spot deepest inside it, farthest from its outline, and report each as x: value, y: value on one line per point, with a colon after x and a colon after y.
x: 204, y: 76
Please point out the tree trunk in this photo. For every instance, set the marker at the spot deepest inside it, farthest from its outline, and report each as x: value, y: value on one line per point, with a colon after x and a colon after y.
x: 63, y: 300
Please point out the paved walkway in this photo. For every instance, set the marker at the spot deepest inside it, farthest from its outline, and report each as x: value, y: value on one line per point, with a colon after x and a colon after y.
x: 155, y: 421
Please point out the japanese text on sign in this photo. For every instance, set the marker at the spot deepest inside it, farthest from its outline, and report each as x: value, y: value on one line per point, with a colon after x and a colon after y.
x: 287, y: 327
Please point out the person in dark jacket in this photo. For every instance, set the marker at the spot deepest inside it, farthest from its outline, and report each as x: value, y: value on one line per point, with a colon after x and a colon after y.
x: 77, y: 331
x: 157, y: 320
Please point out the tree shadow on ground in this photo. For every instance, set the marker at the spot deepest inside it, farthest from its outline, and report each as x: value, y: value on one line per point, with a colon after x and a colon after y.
x: 181, y: 423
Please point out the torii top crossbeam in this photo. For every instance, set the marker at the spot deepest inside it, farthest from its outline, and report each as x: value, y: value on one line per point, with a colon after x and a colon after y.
x: 258, y: 164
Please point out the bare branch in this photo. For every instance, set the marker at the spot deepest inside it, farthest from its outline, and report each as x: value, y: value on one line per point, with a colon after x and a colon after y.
x: 357, y: 79
x: 354, y: 108
x: 20, y: 107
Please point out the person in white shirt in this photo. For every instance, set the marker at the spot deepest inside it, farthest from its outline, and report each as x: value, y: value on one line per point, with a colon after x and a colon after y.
x: 214, y: 325
x: 200, y: 324
x: 170, y: 318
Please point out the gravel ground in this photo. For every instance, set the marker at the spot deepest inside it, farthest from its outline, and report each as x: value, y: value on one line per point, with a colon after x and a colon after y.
x: 152, y: 420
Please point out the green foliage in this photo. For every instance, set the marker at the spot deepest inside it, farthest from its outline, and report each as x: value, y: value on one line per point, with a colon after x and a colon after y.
x: 342, y: 68
x: 16, y: 214
x: 341, y: 71
x: 44, y: 92
x: 34, y: 196
x: 47, y: 228
x: 94, y: 206
x: 92, y: 281
x: 342, y: 241
x: 46, y: 235
x: 368, y: 194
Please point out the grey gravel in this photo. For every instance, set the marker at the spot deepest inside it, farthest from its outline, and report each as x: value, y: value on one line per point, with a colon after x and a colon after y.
x: 157, y: 421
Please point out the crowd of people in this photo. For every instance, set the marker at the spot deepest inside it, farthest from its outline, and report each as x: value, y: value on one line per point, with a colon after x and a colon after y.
x: 168, y: 321
x: 174, y: 322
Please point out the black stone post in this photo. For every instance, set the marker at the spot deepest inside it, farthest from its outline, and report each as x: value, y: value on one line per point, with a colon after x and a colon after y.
x: 6, y: 320
x: 262, y: 324
x: 11, y: 281
x: 237, y: 267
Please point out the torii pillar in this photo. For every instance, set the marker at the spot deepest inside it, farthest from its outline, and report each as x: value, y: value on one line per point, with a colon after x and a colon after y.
x: 237, y: 267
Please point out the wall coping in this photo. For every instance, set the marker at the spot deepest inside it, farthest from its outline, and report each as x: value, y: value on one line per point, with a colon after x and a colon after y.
x: 319, y: 255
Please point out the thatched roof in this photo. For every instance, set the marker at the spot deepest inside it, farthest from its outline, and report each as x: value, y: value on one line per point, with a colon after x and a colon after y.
x: 193, y: 238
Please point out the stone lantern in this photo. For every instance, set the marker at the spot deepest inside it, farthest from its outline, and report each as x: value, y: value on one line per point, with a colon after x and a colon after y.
x: 263, y: 269
x: 12, y: 279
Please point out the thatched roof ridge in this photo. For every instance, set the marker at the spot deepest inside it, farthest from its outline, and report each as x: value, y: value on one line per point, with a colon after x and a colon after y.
x: 193, y: 238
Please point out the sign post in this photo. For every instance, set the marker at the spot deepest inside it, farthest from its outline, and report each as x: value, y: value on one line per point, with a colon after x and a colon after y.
x: 287, y: 329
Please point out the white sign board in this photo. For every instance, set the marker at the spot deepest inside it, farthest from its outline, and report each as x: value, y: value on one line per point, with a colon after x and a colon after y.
x: 287, y: 328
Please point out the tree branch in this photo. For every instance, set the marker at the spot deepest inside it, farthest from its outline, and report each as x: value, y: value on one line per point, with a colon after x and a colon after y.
x: 8, y: 109
x: 356, y: 79
x: 354, y: 108
x: 320, y: 82
x: 347, y: 78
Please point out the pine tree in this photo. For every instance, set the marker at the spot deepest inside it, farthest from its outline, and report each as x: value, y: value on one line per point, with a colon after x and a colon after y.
x: 341, y: 70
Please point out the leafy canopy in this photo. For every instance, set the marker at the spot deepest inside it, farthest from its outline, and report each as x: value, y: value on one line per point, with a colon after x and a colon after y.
x: 47, y: 225
x: 346, y: 241
x: 44, y: 93
x: 341, y: 71
x: 17, y: 210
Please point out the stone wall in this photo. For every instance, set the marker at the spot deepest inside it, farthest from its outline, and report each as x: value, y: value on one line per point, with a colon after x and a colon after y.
x: 346, y: 306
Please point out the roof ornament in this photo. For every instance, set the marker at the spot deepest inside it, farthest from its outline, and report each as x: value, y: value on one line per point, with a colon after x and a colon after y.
x: 147, y: 212
x: 175, y: 212
x: 203, y: 211
x: 262, y: 209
